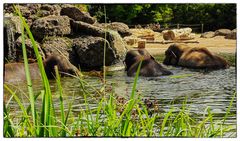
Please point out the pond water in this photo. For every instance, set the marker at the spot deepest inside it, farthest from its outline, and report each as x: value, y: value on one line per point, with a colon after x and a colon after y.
x: 213, y: 89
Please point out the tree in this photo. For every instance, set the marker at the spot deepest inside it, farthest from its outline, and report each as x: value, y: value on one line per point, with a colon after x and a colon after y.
x: 213, y: 16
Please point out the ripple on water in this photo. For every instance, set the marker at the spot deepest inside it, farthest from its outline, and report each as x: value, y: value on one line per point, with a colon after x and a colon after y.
x: 212, y: 89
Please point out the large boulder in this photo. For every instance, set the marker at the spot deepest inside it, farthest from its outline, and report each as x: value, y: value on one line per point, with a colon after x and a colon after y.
x: 82, y: 28
x: 29, y: 48
x: 115, y: 40
x: 57, y: 46
x: 121, y: 28
x: 208, y: 34
x: 26, y: 9
x: 51, y: 26
x: 90, y: 52
x: 76, y: 14
x: 232, y: 35
x: 48, y: 9
x: 117, y: 44
x: 222, y: 32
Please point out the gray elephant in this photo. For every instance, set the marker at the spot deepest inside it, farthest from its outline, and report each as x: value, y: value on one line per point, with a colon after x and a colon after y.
x: 196, y: 58
x: 15, y: 71
x: 149, y: 68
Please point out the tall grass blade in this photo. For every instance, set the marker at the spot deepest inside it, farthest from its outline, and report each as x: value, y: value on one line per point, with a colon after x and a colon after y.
x: 61, y: 101
x: 28, y: 78
x: 23, y: 109
x: 164, y: 122
x: 48, y: 105
x: 104, y: 50
x: 229, y: 108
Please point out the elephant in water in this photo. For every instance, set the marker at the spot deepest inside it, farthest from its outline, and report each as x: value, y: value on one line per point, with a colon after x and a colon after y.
x: 196, y: 58
x: 14, y: 72
x: 149, y: 68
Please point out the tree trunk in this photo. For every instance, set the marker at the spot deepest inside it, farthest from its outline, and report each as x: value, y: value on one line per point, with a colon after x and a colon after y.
x: 178, y: 34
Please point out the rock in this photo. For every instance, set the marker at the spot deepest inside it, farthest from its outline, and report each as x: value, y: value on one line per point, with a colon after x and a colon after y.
x: 208, y: 34
x: 117, y: 43
x: 31, y: 19
x: 121, y: 28
x: 8, y: 8
x: 90, y: 52
x: 24, y: 10
x: 12, y: 30
x: 34, y: 8
x: 222, y: 32
x: 57, y: 46
x: 76, y: 14
x: 29, y: 47
x: 114, y: 39
x: 232, y: 35
x: 48, y: 9
x: 13, y: 22
x: 82, y: 28
x: 51, y: 26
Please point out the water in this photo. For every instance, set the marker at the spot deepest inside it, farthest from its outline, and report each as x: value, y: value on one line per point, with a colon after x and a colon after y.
x: 212, y: 89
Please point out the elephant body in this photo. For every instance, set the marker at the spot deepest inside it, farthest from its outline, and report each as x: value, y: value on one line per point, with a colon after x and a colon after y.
x: 149, y: 68
x: 196, y: 58
x: 14, y: 72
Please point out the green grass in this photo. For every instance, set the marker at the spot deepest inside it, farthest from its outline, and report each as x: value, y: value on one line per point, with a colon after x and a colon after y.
x: 112, y: 117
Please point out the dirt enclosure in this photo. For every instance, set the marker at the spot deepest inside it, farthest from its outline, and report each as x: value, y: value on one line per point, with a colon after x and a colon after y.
x: 217, y: 44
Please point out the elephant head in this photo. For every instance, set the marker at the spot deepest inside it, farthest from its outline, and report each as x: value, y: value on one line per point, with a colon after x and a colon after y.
x: 173, y: 54
x: 193, y: 57
x: 14, y: 72
x: 149, y: 68
x: 64, y: 66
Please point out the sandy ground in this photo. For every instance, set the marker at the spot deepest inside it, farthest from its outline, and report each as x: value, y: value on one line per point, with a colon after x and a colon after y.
x: 217, y: 44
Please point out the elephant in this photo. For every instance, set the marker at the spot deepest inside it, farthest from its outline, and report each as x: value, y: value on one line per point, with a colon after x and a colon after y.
x: 149, y: 68
x: 14, y: 72
x: 195, y: 58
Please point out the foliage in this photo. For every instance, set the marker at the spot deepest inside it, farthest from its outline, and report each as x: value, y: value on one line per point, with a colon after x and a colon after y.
x: 213, y: 16
x: 82, y: 7
x: 133, y: 13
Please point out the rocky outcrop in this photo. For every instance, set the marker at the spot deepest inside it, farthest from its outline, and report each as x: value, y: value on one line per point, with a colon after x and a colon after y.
x: 222, y: 32
x: 83, y: 28
x: 114, y: 39
x: 117, y: 43
x: 208, y: 34
x: 232, y: 35
x: 57, y: 45
x: 121, y: 28
x: 64, y: 30
x: 51, y: 26
x: 29, y: 48
x: 90, y: 52
x: 76, y: 14
x: 48, y: 9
